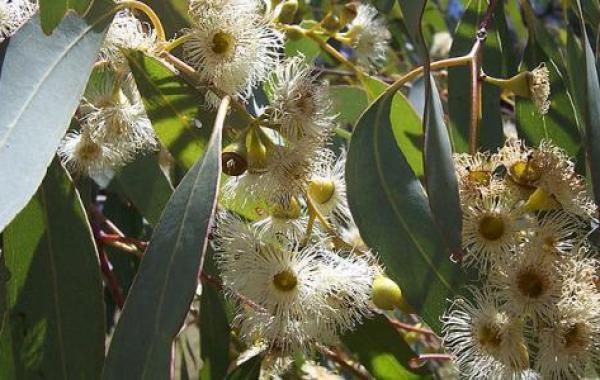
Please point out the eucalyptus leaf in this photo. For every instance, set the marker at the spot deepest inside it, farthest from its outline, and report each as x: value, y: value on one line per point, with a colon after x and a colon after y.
x: 591, y: 109
x: 382, y: 350
x: 249, y: 370
x: 174, y: 107
x: 167, y: 278
x: 146, y: 186
x: 41, y: 82
x: 392, y: 212
x: 55, y: 302
x: 53, y: 11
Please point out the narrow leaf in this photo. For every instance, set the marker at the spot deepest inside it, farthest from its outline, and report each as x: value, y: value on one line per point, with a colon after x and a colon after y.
x: 53, y: 11
x: 160, y: 296
x: 38, y: 102
x: 382, y: 350
x: 146, y: 186
x: 592, y: 117
x: 55, y: 296
x: 392, y: 212
x: 174, y: 107
x: 440, y: 175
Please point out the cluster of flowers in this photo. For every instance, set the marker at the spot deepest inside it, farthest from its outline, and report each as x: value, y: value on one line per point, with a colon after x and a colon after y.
x: 113, y: 123
x: 13, y: 14
x: 527, y: 220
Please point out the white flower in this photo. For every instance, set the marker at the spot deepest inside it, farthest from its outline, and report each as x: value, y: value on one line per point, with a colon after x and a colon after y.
x: 347, y: 286
x: 539, y: 87
x: 127, y: 32
x: 13, y: 14
x: 570, y: 343
x: 285, y: 222
x: 369, y: 36
x: 231, y: 46
x: 486, y: 341
x: 285, y: 282
x: 491, y: 229
x: 82, y: 155
x: 327, y: 186
x: 441, y: 45
x: 117, y: 116
x: 558, y: 234
x: 476, y: 175
x: 529, y: 284
x: 301, y: 105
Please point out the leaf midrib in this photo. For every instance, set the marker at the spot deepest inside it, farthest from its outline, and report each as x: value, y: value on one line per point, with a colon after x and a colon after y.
x: 43, y: 79
x: 54, y: 278
x: 378, y: 165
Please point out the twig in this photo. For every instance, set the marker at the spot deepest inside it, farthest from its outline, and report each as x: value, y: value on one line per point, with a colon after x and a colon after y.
x: 218, y: 284
x: 437, y: 357
x: 408, y: 327
x: 354, y: 368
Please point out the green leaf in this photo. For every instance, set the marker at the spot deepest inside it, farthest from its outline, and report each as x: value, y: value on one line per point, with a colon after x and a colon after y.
x: 560, y: 124
x: 591, y: 115
x: 406, y: 124
x: 214, y: 335
x: 392, y: 212
x: 349, y: 102
x: 249, y: 370
x: 160, y: 296
x: 146, y: 186
x: 174, y: 107
x: 413, y: 10
x: 440, y: 175
x: 303, y: 45
x: 53, y: 11
x: 173, y: 14
x: 37, y: 103
x: 459, y: 80
x: 56, y: 325
x: 382, y: 350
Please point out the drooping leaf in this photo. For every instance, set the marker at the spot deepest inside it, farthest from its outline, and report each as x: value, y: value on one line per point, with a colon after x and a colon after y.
x: 146, y: 186
x: 214, y: 325
x: 55, y: 302
x: 440, y: 175
x: 174, y: 107
x: 167, y: 277
x: 382, y: 350
x: 392, y: 212
x: 249, y: 370
x: 53, y: 11
x: 459, y: 80
x: 591, y: 116
x: 38, y: 102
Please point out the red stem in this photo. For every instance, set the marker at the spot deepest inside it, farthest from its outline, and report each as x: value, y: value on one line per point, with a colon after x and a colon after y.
x: 408, y: 327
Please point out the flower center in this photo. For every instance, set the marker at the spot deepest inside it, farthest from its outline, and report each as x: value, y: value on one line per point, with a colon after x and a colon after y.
x: 575, y: 336
x: 489, y: 336
x: 321, y: 189
x: 491, y: 227
x: 531, y: 284
x: 285, y: 281
x: 88, y: 151
x: 479, y: 177
x: 286, y: 211
x: 222, y: 43
x: 525, y: 173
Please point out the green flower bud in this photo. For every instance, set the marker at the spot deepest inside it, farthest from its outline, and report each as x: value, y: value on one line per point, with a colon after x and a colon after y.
x: 386, y: 294
x: 234, y: 160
